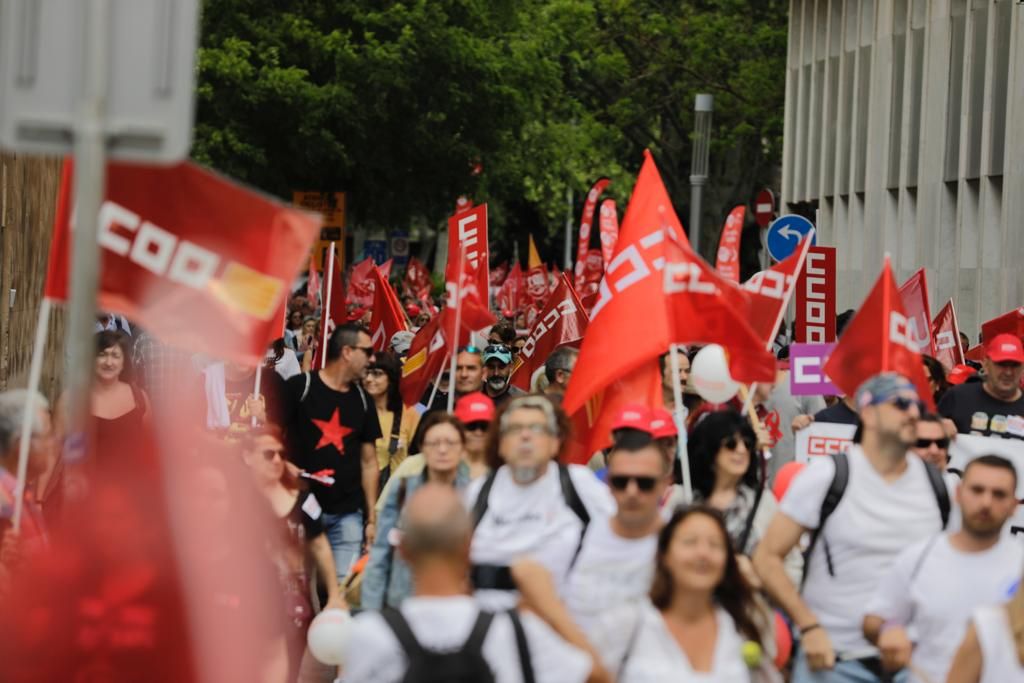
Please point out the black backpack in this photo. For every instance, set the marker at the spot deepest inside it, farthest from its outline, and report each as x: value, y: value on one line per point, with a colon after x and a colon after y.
x: 835, y: 493
x: 466, y: 665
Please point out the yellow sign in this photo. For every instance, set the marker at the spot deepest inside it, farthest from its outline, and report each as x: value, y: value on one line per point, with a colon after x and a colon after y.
x: 331, y: 205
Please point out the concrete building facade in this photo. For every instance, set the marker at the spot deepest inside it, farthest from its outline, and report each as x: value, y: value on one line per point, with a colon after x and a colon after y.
x: 904, y: 134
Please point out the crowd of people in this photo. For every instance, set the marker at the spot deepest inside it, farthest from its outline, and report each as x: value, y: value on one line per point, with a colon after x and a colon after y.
x: 469, y: 550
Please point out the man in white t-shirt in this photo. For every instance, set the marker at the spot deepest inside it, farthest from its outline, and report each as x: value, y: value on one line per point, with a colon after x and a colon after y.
x: 890, y: 500
x: 925, y: 601
x: 530, y: 507
x: 440, y: 616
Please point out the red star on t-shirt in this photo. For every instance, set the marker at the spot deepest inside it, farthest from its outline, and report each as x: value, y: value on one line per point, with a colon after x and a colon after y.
x: 332, y: 432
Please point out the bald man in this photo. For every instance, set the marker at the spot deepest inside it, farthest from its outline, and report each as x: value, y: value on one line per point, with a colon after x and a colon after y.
x: 441, y: 616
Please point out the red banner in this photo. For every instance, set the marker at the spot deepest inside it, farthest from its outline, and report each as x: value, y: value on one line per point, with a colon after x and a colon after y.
x: 728, y: 260
x: 467, y: 237
x: 184, y: 251
x: 473, y: 311
x: 1011, y: 322
x: 946, y: 337
x: 914, y: 293
x: 417, y: 282
x: 387, y: 317
x: 586, y: 223
x: 563, y: 321
x: 593, y: 271
x: 510, y: 293
x: 423, y: 363
x: 877, y: 341
x: 816, y: 298
x: 609, y: 229
x: 770, y: 291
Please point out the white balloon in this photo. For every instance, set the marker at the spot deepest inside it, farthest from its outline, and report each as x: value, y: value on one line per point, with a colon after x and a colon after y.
x: 328, y: 636
x: 710, y: 375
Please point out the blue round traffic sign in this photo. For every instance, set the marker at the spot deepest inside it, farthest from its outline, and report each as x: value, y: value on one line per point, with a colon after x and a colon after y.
x: 785, y: 233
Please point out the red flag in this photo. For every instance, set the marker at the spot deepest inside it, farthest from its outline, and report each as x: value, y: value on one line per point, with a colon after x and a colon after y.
x: 592, y: 274
x: 184, y: 250
x: 609, y: 229
x: 387, y: 317
x: 563, y: 321
x: 705, y: 308
x: 498, y: 275
x: 385, y: 269
x: 417, y: 282
x: 946, y: 337
x: 770, y: 291
x: 361, y: 282
x: 510, y: 293
x: 423, y: 363
x: 629, y: 324
x: 728, y: 263
x: 313, y: 285
x: 467, y: 237
x: 58, y: 269
x: 586, y: 223
x: 877, y: 340
x: 914, y: 293
x: 1011, y: 322
x: 474, y: 314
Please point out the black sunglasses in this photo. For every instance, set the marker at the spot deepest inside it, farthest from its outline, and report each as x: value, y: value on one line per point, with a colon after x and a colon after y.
x: 942, y: 443
x: 478, y: 426
x: 733, y: 442
x: 903, y: 403
x: 368, y: 350
x: 621, y: 482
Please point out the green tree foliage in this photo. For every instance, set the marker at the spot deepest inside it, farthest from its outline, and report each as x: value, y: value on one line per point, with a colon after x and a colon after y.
x: 400, y: 103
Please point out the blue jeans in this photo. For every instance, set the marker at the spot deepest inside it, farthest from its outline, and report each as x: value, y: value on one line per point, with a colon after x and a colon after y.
x: 345, y: 534
x: 843, y: 672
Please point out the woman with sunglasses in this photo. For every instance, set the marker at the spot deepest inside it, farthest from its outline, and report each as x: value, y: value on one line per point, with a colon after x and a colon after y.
x: 397, y: 425
x: 387, y: 580
x: 301, y: 524
x: 696, y: 624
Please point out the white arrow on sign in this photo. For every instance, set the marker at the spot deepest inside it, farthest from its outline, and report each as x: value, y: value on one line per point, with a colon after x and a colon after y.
x: 788, y: 232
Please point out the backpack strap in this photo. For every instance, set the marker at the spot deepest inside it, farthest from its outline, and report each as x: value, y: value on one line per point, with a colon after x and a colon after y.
x: 941, y: 492
x: 523, y: 646
x: 305, y: 391
x: 835, y: 493
x: 475, y: 643
x: 572, y: 499
x: 396, y: 428
x: 480, y: 506
x: 400, y: 627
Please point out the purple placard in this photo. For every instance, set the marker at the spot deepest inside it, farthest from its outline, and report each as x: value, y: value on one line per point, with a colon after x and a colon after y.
x: 805, y: 374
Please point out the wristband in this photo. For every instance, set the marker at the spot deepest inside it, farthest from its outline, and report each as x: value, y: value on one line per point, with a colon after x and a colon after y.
x: 810, y: 627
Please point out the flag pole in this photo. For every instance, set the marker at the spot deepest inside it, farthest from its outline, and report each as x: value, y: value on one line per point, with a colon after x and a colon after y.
x: 256, y: 388
x: 458, y: 329
x: 326, y: 316
x: 437, y: 380
x: 677, y: 414
x: 35, y: 373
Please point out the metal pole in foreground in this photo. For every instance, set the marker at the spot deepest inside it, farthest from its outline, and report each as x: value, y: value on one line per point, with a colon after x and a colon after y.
x: 567, y: 261
x: 703, y: 106
x: 90, y: 188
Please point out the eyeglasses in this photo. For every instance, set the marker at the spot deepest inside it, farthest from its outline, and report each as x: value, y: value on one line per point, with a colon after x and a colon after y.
x: 535, y: 428
x: 942, y: 443
x: 732, y: 443
x: 368, y: 350
x: 479, y: 426
x: 903, y: 403
x: 621, y: 482
x: 441, y: 443
x: 271, y: 453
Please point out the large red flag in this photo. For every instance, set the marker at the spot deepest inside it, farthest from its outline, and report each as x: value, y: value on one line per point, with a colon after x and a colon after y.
x: 474, y: 314
x: 629, y: 324
x: 586, y: 223
x: 705, y: 308
x: 770, y: 291
x: 914, y: 293
x: 385, y: 269
x: 361, y: 282
x: 563, y: 321
x: 728, y: 260
x: 946, y: 337
x: 877, y: 340
x: 1011, y: 322
x: 423, y: 363
x: 467, y: 241
x: 184, y: 250
x: 387, y: 317
x: 416, y: 282
x: 609, y: 229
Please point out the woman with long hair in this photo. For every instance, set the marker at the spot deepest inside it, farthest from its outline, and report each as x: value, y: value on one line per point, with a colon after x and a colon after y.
x: 993, y: 649
x: 936, y: 375
x: 396, y: 424
x: 387, y: 580
x: 698, y: 623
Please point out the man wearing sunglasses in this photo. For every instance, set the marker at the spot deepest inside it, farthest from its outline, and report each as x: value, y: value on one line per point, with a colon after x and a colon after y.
x: 932, y: 443
x: 995, y: 406
x: 861, y: 509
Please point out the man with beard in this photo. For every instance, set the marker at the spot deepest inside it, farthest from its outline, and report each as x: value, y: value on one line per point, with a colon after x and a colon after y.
x: 497, y: 373
x: 934, y: 586
x: 995, y: 406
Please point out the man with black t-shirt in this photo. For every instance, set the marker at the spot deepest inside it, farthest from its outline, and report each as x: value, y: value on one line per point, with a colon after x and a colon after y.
x: 331, y: 428
x: 995, y: 406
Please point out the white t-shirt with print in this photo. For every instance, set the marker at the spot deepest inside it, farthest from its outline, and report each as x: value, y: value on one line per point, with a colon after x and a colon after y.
x: 874, y: 521
x: 655, y: 655
x: 934, y: 588
x: 610, y: 571
x: 374, y: 655
x: 533, y: 521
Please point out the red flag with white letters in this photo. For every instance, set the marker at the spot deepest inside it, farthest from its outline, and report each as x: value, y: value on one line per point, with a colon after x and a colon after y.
x: 416, y: 282
x: 562, y: 321
x: 424, y: 361
x: 474, y: 313
x: 728, y: 260
x: 946, y: 336
x: 609, y: 229
x: 387, y: 317
x: 586, y: 225
x: 914, y: 293
x: 467, y: 241
x: 185, y: 250
x: 361, y: 283
x: 877, y: 340
x: 770, y: 291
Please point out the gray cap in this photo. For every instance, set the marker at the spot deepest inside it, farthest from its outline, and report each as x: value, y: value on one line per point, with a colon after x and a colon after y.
x: 401, y: 341
x: 881, y: 388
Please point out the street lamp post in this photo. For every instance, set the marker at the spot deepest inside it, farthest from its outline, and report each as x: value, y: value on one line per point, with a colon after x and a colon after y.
x: 703, y: 106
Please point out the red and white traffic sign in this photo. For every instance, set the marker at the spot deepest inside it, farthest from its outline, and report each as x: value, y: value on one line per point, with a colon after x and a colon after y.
x: 764, y: 208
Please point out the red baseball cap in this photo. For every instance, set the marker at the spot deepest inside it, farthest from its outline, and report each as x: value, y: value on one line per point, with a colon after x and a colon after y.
x: 475, y: 407
x: 633, y: 416
x: 662, y: 424
x: 1005, y: 348
x: 960, y: 374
